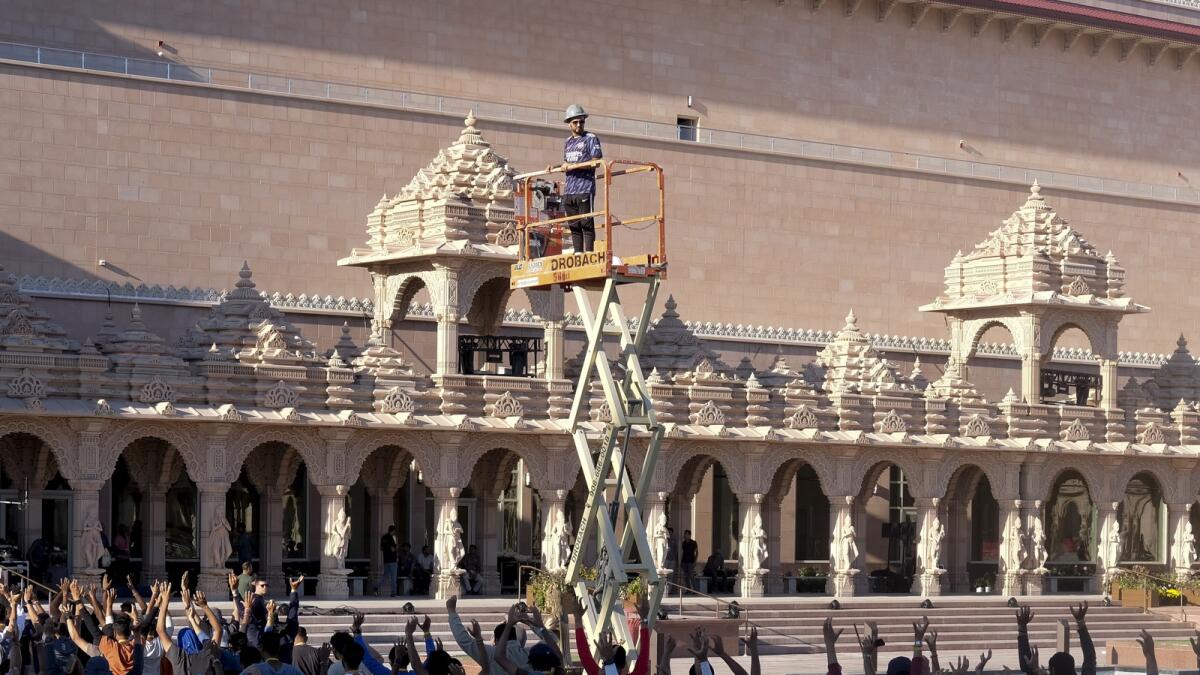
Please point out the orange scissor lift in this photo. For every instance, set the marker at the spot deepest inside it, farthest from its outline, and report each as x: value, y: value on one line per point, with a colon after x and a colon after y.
x: 603, y: 456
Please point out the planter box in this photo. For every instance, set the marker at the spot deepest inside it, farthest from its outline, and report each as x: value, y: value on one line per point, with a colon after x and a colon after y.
x: 810, y: 584
x: 1128, y: 654
x: 1144, y: 598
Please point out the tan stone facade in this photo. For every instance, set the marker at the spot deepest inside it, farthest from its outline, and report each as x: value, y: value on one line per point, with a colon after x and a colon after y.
x: 178, y: 184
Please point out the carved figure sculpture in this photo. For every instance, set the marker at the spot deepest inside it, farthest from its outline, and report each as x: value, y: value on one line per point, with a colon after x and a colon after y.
x: 453, y: 550
x: 661, y: 542
x: 91, y: 542
x: 846, y: 544
x: 218, y: 549
x: 563, y: 540
x: 756, y: 547
x: 339, y: 538
x: 1013, y: 541
x: 1037, y: 544
x: 1112, y: 545
x: 1188, y: 545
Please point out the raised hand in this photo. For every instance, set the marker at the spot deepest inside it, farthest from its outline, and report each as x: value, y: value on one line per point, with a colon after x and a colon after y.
x: 1147, y: 642
x: 717, y: 645
x: 475, y: 631
x: 129, y: 580
x: 1079, y: 612
x: 605, y: 648
x: 358, y: 622
x: 295, y: 583
x: 535, y: 618
x: 410, y: 628
x: 931, y: 640
x: 1024, y: 615
x: 105, y: 582
x: 451, y: 603
x: 983, y: 659
x: 828, y: 633
x: 425, y: 623
x: 961, y: 666
x: 751, y: 641
x: 199, y: 600
x: 437, y: 644
x: 919, y: 628
x: 183, y: 581
x: 232, y: 579
x: 699, y: 648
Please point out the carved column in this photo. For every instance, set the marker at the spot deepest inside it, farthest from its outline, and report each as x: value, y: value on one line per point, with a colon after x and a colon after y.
x: 752, y: 573
x: 930, y: 542
x: 154, y: 533
x: 845, y: 548
x: 332, y: 584
x: 213, y: 573
x: 1034, y: 564
x: 553, y: 509
x: 1108, y: 384
x: 553, y: 332
x: 1108, y: 549
x: 448, y: 545
x: 1183, y: 541
x: 85, y: 509
x: 445, y: 300
x: 1012, y: 544
x: 1031, y: 378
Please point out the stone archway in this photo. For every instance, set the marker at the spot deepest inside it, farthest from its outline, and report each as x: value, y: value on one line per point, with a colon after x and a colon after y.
x: 798, y: 518
x: 973, y: 531
x: 29, y: 470
x: 887, y: 520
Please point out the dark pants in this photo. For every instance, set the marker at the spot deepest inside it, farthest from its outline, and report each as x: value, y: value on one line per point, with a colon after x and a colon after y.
x: 583, y: 230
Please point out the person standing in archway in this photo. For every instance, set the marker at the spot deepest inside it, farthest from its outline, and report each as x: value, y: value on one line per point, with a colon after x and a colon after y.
x: 579, y: 192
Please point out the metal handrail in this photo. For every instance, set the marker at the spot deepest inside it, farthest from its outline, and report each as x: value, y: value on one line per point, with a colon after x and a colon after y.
x: 1168, y: 582
x: 27, y: 578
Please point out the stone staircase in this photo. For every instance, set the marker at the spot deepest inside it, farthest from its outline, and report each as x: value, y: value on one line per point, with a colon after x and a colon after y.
x: 793, y: 626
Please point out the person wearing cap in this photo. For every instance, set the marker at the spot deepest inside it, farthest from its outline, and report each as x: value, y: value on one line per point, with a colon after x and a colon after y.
x: 579, y: 192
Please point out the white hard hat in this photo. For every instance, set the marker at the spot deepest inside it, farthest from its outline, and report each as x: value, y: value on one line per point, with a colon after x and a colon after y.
x: 574, y: 110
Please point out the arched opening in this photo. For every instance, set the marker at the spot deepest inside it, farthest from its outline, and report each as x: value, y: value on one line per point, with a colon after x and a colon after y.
x: 150, y: 513
x: 1070, y: 522
x: 1143, y: 518
x: 500, y: 513
x: 1070, y: 383
x: 493, y: 348
x: 887, y: 522
x: 972, y: 531
x: 993, y: 378
x: 35, y: 507
x: 713, y: 521
x: 796, y: 517
x: 274, y: 514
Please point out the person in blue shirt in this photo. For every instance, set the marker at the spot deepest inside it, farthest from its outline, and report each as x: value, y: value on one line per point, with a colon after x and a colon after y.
x: 579, y: 191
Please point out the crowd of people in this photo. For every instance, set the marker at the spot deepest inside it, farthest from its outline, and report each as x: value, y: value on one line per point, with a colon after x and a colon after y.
x: 406, y: 573
x: 83, y: 630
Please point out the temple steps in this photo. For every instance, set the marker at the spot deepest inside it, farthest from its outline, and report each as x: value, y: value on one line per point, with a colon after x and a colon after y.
x: 794, y: 625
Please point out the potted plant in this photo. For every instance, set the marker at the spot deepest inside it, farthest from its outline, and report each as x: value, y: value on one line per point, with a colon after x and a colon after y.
x: 810, y: 580
x: 1136, y: 590
x: 633, y: 593
x: 980, y: 583
x: 544, y: 591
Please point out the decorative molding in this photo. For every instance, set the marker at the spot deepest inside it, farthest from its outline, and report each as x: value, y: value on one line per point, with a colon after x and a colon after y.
x: 397, y: 401
x: 26, y: 385
x: 157, y: 391
x: 708, y: 415
x: 507, y: 406
x: 1077, y: 432
x: 318, y: 304
x: 281, y: 396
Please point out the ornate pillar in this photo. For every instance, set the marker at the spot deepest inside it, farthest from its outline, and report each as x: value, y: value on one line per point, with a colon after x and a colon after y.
x: 1183, y: 539
x: 752, y: 547
x: 844, y: 548
x: 1108, y: 549
x: 552, y: 333
x: 1034, y: 563
x: 1012, y: 544
x: 85, y: 530
x: 1108, y: 383
x: 556, y: 539
x: 154, y: 533
x: 449, y: 544
x: 931, y: 540
x: 332, y: 583
x: 215, y: 547
x: 1031, y: 377
x: 445, y: 300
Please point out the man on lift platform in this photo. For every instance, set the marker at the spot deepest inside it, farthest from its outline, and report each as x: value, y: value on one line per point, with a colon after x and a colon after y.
x: 579, y: 193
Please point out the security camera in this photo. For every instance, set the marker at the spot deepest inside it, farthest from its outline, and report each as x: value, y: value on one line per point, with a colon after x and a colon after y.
x: 103, y: 262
